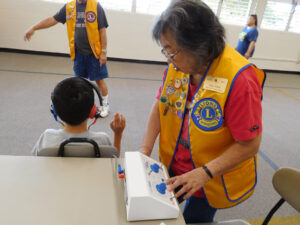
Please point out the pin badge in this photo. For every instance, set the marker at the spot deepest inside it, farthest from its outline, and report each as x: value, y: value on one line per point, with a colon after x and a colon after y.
x: 166, y: 110
x: 177, y: 94
x: 163, y: 99
x: 182, y: 95
x: 170, y: 90
x: 177, y: 83
x: 179, y: 114
x: 173, y: 110
x: 178, y: 104
x: 184, y: 80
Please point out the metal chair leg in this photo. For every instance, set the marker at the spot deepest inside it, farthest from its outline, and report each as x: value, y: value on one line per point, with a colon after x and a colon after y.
x: 272, y: 211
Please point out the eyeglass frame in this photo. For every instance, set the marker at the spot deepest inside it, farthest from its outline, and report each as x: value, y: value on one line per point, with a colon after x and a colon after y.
x: 169, y: 56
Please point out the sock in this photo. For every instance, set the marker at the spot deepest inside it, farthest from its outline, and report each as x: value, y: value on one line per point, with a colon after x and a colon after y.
x: 105, y: 100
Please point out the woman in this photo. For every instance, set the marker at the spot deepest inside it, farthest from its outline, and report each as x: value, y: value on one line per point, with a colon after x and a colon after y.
x: 248, y: 38
x: 208, y: 113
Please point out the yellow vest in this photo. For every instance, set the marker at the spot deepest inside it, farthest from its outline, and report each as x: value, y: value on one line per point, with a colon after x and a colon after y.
x: 209, y: 137
x: 90, y: 23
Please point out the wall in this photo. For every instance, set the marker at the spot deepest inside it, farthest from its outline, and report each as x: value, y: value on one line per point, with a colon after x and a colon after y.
x: 129, y: 36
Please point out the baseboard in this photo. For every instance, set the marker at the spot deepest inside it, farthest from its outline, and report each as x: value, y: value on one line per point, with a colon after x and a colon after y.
x: 283, y: 71
x: 30, y: 52
x: 67, y: 55
x: 119, y: 59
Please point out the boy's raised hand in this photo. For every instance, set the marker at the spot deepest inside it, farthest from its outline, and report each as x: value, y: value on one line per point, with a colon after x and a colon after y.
x: 118, y: 123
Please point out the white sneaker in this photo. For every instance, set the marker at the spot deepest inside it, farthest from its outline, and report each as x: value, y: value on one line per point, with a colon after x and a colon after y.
x: 104, y: 110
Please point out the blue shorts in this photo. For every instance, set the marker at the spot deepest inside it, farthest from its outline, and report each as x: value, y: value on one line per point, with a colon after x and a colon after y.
x: 89, y: 67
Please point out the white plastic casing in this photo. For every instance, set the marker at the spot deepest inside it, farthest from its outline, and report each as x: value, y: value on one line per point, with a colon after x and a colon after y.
x: 143, y: 199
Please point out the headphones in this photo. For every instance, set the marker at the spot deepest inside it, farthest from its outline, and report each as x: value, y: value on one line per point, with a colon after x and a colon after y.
x: 95, y: 112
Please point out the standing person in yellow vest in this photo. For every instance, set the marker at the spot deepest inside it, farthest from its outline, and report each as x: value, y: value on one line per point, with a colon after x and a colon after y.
x: 208, y: 113
x: 86, y: 26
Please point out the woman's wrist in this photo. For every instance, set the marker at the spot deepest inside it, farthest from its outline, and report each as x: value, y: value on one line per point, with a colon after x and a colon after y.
x: 207, y: 171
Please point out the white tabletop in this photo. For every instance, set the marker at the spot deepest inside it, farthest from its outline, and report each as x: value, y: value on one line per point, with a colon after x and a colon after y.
x: 63, y: 191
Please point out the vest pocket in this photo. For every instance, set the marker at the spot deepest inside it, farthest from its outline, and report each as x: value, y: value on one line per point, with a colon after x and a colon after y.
x: 240, y: 181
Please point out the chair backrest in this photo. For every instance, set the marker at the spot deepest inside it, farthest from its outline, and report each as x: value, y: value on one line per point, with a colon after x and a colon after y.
x: 286, y: 182
x: 77, y: 147
x: 107, y: 151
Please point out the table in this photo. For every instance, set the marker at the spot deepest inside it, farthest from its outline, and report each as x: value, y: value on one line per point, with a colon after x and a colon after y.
x: 63, y: 191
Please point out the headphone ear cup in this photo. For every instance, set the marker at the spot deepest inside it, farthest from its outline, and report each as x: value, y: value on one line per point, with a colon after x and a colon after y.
x: 52, y: 110
x: 94, y: 112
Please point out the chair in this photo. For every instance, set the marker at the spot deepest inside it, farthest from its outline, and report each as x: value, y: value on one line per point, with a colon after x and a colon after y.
x: 80, y: 147
x: 286, y: 182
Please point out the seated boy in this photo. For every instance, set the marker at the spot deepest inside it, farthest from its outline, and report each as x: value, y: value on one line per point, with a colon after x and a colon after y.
x: 73, y: 101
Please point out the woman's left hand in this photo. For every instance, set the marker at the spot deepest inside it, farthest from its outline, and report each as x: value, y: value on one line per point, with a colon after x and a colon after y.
x: 191, y: 182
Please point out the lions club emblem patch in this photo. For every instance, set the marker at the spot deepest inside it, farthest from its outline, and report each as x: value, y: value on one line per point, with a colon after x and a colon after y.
x: 207, y: 114
x: 90, y: 16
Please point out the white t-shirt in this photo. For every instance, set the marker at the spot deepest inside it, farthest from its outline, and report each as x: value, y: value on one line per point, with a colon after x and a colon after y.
x: 52, y: 138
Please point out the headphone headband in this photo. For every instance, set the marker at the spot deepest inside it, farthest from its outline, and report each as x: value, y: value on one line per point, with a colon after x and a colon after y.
x: 95, y: 88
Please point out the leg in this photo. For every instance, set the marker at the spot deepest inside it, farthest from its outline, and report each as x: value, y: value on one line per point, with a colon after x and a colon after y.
x: 197, y: 210
x: 102, y: 87
x: 98, y: 74
x: 79, y: 66
x: 104, y: 92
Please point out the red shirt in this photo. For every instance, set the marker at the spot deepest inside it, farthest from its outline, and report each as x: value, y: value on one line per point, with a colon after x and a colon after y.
x: 242, y: 112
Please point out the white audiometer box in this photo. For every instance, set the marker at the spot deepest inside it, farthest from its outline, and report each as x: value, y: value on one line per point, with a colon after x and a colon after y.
x: 146, y: 195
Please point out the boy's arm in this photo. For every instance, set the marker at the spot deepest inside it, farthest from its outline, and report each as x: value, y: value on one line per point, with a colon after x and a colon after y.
x: 117, y: 142
x: 117, y: 125
x: 46, y: 23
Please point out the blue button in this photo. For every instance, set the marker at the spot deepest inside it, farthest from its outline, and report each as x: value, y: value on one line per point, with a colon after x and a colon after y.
x: 161, y: 188
x: 155, y: 167
x: 120, y: 171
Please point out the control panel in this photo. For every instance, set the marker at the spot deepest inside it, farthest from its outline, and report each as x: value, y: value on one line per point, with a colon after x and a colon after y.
x: 146, y: 194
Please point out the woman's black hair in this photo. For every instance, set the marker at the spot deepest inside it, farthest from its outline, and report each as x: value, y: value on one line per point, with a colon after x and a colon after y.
x: 255, y: 17
x: 195, y: 28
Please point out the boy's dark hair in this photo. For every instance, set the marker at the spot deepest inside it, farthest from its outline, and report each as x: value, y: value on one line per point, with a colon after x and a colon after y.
x: 73, y: 100
x: 195, y: 28
x: 255, y: 17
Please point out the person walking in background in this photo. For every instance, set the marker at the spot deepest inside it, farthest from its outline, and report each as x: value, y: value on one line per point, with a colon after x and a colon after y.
x: 248, y: 38
x: 86, y: 26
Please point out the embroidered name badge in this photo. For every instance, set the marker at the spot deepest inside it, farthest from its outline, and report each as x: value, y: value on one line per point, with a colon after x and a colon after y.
x: 207, y: 114
x: 90, y: 16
